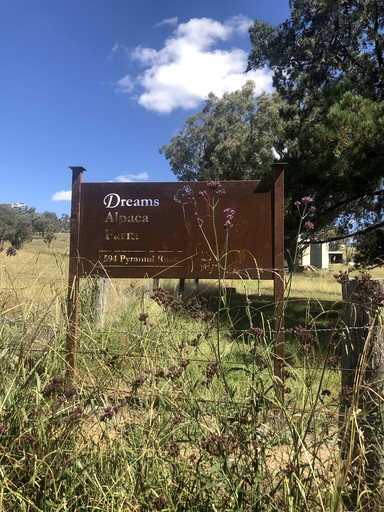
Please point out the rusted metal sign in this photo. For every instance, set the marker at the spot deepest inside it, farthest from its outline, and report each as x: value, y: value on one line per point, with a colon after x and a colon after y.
x: 213, y: 230
x: 174, y: 230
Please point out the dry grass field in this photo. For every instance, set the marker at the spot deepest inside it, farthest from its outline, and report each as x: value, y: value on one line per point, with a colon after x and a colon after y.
x: 175, y: 405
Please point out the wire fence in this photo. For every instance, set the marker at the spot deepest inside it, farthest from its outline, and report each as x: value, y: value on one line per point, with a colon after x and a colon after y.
x: 245, y: 337
x: 126, y: 353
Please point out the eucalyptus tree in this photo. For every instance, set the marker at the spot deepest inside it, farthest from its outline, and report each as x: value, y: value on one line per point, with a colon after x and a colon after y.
x: 15, y: 226
x: 233, y: 138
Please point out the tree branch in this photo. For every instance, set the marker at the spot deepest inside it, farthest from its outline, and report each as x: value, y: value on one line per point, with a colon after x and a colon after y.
x: 344, y: 202
x: 349, y: 235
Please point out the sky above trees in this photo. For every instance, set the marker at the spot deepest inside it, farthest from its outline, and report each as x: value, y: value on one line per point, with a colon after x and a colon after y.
x: 104, y: 84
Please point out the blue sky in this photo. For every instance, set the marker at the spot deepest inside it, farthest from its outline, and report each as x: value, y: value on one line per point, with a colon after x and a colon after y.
x: 104, y: 83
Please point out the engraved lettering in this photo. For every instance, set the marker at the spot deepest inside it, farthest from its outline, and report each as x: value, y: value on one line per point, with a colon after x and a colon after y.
x: 109, y: 218
x: 126, y: 260
x: 167, y: 259
x: 113, y: 200
x: 110, y: 235
x: 121, y: 219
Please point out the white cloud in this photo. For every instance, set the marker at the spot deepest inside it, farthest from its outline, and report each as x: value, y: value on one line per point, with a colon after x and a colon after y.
x: 118, y: 50
x: 240, y: 24
x: 168, y: 21
x: 114, y: 50
x: 125, y: 84
x: 63, y: 195
x: 191, y: 64
x: 145, y: 55
x: 126, y: 178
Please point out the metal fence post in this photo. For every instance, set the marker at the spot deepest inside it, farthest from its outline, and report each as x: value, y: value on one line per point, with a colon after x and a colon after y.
x: 73, y: 275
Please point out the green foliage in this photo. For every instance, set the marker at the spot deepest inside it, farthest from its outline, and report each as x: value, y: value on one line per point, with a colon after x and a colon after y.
x: 328, y: 67
x: 65, y: 223
x: 47, y: 224
x: 322, y: 43
x: 352, y: 133
x: 345, y: 169
x: 370, y: 250
x: 230, y: 139
x: 15, y: 226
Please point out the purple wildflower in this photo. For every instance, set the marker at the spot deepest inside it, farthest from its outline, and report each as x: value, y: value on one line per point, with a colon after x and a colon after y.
x: 143, y: 317
x: 11, y: 251
x: 174, y: 449
x: 257, y: 331
x: 230, y: 213
x: 297, y: 203
x: 216, y: 187
x: 307, y: 199
x: 28, y: 438
x: 309, y: 225
x: 213, y: 184
x: 229, y: 217
x: 138, y: 381
x: 176, y: 420
x: 160, y: 502
x: 199, y: 221
x: 107, y: 414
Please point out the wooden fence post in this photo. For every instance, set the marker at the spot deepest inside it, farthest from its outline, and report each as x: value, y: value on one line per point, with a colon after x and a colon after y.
x: 363, y: 381
x: 100, y: 287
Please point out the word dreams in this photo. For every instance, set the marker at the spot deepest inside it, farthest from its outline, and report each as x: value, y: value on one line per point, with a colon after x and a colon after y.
x: 113, y: 200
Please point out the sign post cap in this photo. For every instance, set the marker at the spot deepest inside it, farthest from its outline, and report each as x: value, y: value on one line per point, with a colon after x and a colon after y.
x: 77, y: 168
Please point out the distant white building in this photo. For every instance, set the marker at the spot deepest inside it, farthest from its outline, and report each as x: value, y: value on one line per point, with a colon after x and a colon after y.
x: 316, y: 255
x: 19, y: 206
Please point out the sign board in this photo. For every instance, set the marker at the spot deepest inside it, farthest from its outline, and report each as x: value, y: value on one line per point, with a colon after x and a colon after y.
x: 178, y: 229
x: 210, y: 230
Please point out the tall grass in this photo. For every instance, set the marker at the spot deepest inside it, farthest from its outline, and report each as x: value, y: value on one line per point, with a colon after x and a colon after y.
x: 174, y: 406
